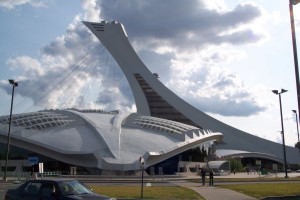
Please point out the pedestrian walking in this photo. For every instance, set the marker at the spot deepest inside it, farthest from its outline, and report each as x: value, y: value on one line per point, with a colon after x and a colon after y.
x: 203, y: 173
x: 211, y: 177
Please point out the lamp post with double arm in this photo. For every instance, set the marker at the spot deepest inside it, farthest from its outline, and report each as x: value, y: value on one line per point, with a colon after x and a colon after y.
x: 282, y: 128
x: 14, y: 84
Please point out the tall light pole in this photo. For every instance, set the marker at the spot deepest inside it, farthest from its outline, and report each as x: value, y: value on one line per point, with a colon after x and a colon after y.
x: 142, y: 162
x: 282, y: 129
x: 14, y: 84
x: 296, y: 123
x: 291, y: 3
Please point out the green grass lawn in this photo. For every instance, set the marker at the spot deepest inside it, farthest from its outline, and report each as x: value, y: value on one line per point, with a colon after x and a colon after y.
x: 263, y: 179
x: 149, y: 192
x: 257, y: 190
x: 261, y: 190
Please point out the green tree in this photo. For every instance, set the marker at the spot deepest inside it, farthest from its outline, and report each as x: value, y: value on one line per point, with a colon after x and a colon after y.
x: 203, y: 152
x: 235, y: 165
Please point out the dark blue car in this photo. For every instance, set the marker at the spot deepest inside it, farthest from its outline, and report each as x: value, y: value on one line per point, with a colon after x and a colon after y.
x: 52, y: 190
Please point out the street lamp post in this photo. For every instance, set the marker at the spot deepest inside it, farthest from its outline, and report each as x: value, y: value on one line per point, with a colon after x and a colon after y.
x: 291, y: 3
x: 14, y: 84
x: 296, y: 123
x: 282, y: 129
x: 142, y: 162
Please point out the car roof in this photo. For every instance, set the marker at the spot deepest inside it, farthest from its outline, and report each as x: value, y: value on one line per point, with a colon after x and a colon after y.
x: 44, y: 180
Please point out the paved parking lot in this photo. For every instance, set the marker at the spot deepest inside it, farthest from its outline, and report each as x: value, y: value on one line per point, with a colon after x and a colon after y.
x: 163, y: 182
x: 4, y: 186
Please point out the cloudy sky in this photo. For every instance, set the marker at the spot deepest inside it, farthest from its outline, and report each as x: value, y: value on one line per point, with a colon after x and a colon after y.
x: 222, y: 56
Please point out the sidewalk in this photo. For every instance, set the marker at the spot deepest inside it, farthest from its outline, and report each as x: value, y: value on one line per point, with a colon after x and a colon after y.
x: 213, y: 193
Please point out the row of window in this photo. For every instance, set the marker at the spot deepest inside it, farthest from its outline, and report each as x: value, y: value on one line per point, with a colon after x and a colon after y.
x: 96, y: 111
x: 37, y: 120
x: 158, y: 106
x: 158, y: 128
x: 169, y: 123
x: 49, y: 125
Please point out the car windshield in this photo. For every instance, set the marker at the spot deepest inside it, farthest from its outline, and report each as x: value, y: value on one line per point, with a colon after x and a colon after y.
x: 73, y: 188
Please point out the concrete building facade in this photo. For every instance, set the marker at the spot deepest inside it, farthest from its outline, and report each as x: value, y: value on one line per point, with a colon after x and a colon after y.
x: 155, y: 99
x: 164, y: 125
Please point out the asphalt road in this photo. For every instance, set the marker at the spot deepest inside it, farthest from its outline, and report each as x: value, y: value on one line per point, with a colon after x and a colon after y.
x: 166, y: 181
x: 6, y: 186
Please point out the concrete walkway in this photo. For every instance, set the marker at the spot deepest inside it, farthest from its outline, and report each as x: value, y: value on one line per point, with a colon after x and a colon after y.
x: 216, y: 193
x: 213, y: 193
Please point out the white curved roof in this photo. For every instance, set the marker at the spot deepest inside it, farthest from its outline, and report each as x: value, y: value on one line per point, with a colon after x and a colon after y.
x: 241, y: 154
x: 216, y: 164
x: 106, y: 140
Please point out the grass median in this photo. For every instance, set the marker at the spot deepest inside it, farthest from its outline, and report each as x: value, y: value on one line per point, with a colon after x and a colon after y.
x: 134, y: 192
x: 258, y: 190
x: 231, y: 180
x: 262, y: 190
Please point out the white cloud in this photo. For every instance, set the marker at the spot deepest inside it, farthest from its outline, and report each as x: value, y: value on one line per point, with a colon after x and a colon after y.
x: 152, y: 26
x: 31, y: 67
x: 187, y: 46
x: 92, y: 10
x: 218, y: 5
x: 69, y: 70
x: 11, y: 4
x: 210, y: 88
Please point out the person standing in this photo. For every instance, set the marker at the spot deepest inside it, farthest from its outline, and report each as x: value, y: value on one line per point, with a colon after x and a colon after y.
x: 203, y: 173
x: 31, y: 170
x: 211, y: 177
